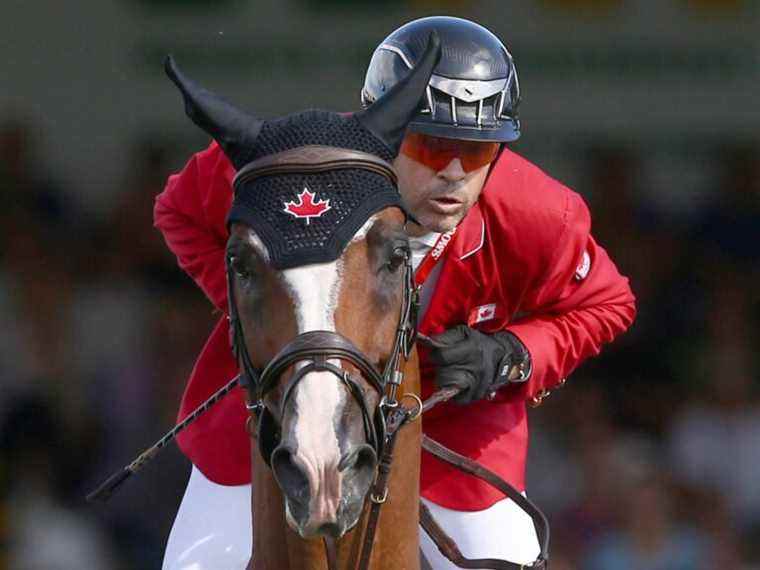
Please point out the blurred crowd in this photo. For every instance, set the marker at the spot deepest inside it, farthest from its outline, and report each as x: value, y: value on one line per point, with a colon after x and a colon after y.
x: 650, y: 459
x: 100, y: 334
x: 646, y: 459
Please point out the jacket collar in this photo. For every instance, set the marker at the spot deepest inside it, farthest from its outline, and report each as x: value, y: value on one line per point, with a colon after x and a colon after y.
x: 471, y: 234
x: 460, y: 275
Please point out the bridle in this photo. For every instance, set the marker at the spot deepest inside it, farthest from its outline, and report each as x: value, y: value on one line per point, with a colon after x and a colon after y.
x: 317, y: 348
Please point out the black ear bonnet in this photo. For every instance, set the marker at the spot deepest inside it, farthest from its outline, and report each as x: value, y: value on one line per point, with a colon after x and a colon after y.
x: 310, y: 218
x: 304, y: 217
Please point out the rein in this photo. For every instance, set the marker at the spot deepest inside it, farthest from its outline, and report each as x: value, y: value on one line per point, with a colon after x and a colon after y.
x: 445, y: 544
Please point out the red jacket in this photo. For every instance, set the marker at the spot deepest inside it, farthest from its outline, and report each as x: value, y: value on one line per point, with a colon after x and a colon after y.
x: 519, y: 262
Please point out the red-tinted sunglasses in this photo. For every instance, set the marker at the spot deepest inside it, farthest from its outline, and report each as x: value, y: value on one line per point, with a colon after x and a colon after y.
x: 438, y: 152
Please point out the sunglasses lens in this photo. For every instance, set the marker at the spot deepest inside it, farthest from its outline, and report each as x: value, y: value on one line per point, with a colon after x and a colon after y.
x: 437, y: 152
x: 479, y: 154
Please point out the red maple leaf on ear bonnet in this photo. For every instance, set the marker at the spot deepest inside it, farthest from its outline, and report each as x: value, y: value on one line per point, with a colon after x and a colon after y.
x: 307, y: 207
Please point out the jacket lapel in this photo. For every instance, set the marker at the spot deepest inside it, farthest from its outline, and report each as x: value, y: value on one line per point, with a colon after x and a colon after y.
x: 461, y: 276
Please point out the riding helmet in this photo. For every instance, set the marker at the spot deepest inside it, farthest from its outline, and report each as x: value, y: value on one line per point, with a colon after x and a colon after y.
x: 473, y: 93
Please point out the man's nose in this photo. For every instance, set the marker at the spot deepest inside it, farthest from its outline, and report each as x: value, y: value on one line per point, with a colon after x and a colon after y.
x: 453, y: 171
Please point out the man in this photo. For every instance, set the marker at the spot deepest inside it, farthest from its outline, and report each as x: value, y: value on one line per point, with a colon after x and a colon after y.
x: 516, y: 294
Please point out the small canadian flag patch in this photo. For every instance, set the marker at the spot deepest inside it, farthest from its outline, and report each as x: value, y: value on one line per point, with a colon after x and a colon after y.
x: 307, y: 206
x: 485, y: 313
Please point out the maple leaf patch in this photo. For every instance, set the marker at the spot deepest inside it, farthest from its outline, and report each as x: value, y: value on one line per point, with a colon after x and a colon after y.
x: 306, y: 206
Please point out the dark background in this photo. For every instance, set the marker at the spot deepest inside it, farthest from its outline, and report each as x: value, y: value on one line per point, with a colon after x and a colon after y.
x: 648, y: 458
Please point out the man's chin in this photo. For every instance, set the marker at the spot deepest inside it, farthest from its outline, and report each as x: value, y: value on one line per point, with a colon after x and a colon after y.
x: 438, y: 223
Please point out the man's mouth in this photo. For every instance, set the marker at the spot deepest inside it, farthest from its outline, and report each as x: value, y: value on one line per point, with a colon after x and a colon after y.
x: 445, y: 204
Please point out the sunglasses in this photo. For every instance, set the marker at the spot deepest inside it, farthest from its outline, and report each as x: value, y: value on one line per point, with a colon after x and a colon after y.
x: 438, y: 152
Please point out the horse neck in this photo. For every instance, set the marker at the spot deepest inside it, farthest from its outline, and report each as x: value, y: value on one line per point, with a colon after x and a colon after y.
x: 396, y: 543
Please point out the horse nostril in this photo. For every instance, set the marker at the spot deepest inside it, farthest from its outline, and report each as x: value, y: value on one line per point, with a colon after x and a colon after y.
x: 359, y: 458
x: 290, y: 476
x: 358, y: 467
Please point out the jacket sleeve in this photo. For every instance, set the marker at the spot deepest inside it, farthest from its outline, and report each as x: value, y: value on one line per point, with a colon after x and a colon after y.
x: 581, y: 303
x: 191, y: 214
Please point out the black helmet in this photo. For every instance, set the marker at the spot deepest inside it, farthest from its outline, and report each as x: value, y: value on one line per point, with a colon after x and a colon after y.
x: 473, y: 93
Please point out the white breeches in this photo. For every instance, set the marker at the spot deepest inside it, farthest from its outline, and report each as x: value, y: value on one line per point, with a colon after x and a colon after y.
x: 212, y: 530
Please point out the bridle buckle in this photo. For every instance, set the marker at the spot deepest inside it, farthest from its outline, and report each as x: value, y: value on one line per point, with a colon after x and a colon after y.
x: 379, y: 500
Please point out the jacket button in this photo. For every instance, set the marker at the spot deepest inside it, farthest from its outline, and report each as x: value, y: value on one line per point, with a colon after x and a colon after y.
x: 536, y: 400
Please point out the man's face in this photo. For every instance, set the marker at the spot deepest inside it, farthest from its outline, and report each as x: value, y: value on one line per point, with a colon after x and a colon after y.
x: 439, y: 196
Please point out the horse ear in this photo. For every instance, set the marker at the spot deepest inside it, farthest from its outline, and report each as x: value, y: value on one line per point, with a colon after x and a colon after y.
x: 234, y: 130
x: 388, y: 117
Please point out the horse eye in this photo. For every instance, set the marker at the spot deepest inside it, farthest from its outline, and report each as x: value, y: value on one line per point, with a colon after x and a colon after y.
x: 241, y: 272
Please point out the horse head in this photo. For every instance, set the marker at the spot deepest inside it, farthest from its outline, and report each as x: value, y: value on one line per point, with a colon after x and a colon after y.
x: 319, y: 286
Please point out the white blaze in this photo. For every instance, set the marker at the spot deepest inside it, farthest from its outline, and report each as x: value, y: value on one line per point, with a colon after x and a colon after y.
x: 314, y: 290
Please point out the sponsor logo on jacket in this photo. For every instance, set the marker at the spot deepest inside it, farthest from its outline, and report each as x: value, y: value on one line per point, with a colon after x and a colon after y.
x: 442, y: 243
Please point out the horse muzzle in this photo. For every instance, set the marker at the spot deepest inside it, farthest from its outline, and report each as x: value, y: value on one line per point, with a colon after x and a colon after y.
x: 324, y: 501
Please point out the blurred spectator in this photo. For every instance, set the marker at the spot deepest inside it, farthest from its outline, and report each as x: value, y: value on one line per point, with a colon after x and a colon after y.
x: 136, y: 242
x: 44, y: 533
x: 714, y: 439
x: 730, y: 229
x: 644, y: 247
x: 30, y: 194
x: 591, y: 446
x: 649, y: 536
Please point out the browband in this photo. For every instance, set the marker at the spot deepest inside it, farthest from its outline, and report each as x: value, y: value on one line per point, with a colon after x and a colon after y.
x: 313, y: 158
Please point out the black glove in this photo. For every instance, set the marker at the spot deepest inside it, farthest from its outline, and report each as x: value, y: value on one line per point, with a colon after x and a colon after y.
x: 478, y: 363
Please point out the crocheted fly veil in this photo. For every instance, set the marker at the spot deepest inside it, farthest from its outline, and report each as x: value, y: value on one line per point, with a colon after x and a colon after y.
x: 310, y: 216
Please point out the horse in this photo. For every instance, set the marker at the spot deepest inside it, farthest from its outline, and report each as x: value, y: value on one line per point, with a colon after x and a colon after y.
x: 321, y: 309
